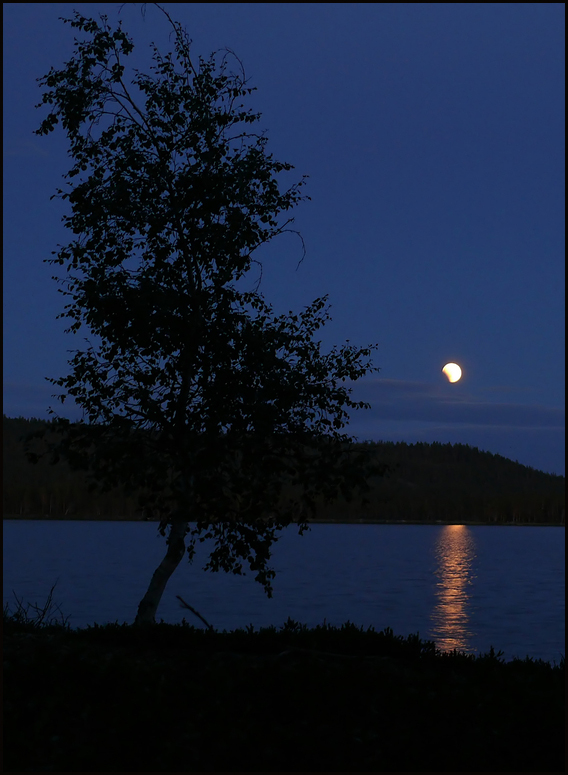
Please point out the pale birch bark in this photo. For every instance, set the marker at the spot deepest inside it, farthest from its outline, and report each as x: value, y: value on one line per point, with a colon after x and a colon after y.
x: 176, y: 549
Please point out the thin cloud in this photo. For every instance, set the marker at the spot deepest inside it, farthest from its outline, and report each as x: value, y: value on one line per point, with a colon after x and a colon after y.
x: 506, y: 389
x: 23, y: 149
x: 391, y: 400
x: 423, y: 402
x: 20, y: 399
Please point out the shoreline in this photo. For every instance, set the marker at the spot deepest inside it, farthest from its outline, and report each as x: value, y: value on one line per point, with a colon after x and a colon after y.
x: 362, y: 521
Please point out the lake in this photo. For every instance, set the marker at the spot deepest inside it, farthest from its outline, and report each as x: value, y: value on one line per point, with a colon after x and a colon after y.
x: 465, y: 587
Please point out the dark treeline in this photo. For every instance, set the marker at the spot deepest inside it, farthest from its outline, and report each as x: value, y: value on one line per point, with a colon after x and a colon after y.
x: 456, y: 482
x: 427, y: 482
x: 41, y: 490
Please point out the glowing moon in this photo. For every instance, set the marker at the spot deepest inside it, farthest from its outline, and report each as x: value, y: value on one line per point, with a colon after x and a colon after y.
x: 452, y: 371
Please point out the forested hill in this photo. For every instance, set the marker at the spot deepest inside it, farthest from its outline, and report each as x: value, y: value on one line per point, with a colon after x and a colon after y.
x: 427, y: 482
x: 453, y: 482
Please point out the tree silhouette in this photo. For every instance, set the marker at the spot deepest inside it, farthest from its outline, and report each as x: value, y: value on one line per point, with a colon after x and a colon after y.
x: 226, y: 417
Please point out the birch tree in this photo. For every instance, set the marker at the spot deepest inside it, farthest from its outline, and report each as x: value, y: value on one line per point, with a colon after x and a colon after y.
x: 225, y: 418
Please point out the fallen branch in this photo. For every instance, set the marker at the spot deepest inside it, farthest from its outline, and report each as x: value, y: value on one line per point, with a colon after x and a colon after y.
x: 193, y: 611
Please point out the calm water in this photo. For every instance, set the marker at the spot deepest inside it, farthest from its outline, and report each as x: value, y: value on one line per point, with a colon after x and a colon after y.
x: 464, y: 587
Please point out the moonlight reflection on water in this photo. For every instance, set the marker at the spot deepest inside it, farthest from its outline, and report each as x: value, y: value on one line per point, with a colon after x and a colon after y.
x: 465, y: 587
x: 455, y: 554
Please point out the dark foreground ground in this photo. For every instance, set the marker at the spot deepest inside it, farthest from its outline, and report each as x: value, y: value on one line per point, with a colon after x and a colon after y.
x: 176, y: 698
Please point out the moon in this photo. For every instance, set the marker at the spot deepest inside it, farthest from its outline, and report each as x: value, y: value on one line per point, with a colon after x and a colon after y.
x: 452, y: 372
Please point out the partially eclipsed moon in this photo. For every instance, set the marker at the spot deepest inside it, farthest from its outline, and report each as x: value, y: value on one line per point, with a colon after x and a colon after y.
x: 452, y: 371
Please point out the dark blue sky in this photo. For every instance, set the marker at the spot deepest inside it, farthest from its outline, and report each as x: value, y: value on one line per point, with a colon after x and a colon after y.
x: 433, y: 135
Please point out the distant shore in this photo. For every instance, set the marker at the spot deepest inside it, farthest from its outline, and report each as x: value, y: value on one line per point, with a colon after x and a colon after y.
x: 425, y: 484
x: 362, y: 521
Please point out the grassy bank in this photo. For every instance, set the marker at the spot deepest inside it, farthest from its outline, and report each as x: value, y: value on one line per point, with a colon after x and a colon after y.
x: 176, y: 698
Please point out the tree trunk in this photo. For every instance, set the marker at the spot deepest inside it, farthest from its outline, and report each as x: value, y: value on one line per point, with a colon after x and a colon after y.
x: 176, y: 549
